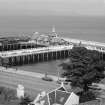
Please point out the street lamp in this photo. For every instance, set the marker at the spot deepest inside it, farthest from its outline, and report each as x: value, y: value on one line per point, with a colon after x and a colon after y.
x: 58, y: 73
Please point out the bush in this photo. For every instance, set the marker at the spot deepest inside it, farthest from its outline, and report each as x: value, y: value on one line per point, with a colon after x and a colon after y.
x: 47, y: 79
x: 10, y: 95
x: 87, y: 96
x: 7, y: 94
x: 2, y: 89
x: 25, y: 100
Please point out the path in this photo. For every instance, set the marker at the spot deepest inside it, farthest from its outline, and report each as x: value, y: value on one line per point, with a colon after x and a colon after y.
x: 26, y: 73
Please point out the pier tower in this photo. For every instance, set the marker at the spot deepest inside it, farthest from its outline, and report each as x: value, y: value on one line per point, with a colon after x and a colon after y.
x: 54, y: 34
x: 53, y: 29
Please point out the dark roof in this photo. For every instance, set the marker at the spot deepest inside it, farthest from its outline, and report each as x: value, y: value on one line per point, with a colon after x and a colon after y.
x: 61, y: 97
x: 58, y: 96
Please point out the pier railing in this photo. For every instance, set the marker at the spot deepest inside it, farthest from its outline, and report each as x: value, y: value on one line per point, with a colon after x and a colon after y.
x: 34, y: 51
x: 91, y: 45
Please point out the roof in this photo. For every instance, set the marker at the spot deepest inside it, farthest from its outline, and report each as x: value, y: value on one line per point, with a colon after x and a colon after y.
x: 59, y: 96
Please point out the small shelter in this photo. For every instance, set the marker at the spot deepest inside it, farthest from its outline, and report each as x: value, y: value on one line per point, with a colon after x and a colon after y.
x: 20, y: 91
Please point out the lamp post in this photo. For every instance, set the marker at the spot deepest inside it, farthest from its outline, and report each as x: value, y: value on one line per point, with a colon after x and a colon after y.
x: 58, y: 70
x: 58, y: 74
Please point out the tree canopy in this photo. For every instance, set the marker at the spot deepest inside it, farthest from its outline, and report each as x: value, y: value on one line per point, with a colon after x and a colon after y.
x: 84, y: 67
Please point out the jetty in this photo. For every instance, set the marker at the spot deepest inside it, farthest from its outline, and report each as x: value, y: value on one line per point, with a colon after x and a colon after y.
x: 41, y: 47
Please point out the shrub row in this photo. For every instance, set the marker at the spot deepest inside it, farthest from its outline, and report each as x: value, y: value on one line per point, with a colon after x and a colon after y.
x: 7, y: 94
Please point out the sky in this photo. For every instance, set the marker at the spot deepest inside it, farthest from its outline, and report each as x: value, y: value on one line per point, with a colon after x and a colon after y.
x: 52, y: 7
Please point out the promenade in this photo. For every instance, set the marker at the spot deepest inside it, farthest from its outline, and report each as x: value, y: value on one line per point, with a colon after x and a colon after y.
x: 26, y: 73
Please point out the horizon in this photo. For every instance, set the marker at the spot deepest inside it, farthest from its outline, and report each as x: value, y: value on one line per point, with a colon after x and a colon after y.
x: 52, y: 7
x: 26, y: 16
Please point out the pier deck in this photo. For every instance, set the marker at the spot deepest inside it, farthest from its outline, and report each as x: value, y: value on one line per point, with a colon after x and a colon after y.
x: 34, y: 51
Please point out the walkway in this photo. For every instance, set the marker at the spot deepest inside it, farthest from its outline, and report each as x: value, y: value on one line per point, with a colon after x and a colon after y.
x: 26, y: 73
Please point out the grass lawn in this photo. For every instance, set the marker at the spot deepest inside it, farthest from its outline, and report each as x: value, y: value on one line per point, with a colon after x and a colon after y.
x: 15, y: 102
x: 32, y: 85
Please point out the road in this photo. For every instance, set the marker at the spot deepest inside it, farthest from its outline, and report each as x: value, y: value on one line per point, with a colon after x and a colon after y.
x: 33, y: 85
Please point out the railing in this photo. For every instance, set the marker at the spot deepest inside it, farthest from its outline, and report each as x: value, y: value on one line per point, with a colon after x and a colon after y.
x: 34, y: 51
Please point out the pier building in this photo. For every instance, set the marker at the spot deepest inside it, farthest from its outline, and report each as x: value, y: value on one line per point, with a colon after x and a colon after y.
x: 35, y: 41
x: 16, y: 43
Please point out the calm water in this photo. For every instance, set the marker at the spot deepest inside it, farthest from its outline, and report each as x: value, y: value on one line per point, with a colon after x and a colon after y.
x: 88, y: 28
x: 51, y: 67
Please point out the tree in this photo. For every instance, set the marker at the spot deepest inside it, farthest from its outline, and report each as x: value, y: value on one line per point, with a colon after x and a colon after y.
x: 7, y: 95
x: 83, y: 68
x: 25, y: 101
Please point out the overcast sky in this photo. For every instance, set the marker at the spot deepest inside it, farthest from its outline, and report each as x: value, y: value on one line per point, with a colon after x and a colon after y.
x: 52, y: 7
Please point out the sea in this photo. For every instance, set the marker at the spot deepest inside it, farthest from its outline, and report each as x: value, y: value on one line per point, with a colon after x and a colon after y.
x: 79, y: 27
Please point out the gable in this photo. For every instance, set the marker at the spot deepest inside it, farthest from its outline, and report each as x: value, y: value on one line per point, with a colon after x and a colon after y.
x: 58, y: 97
x: 61, y: 89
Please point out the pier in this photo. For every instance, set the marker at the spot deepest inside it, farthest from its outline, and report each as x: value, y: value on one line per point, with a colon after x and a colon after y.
x: 42, y: 47
x: 33, y: 55
x: 91, y: 45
